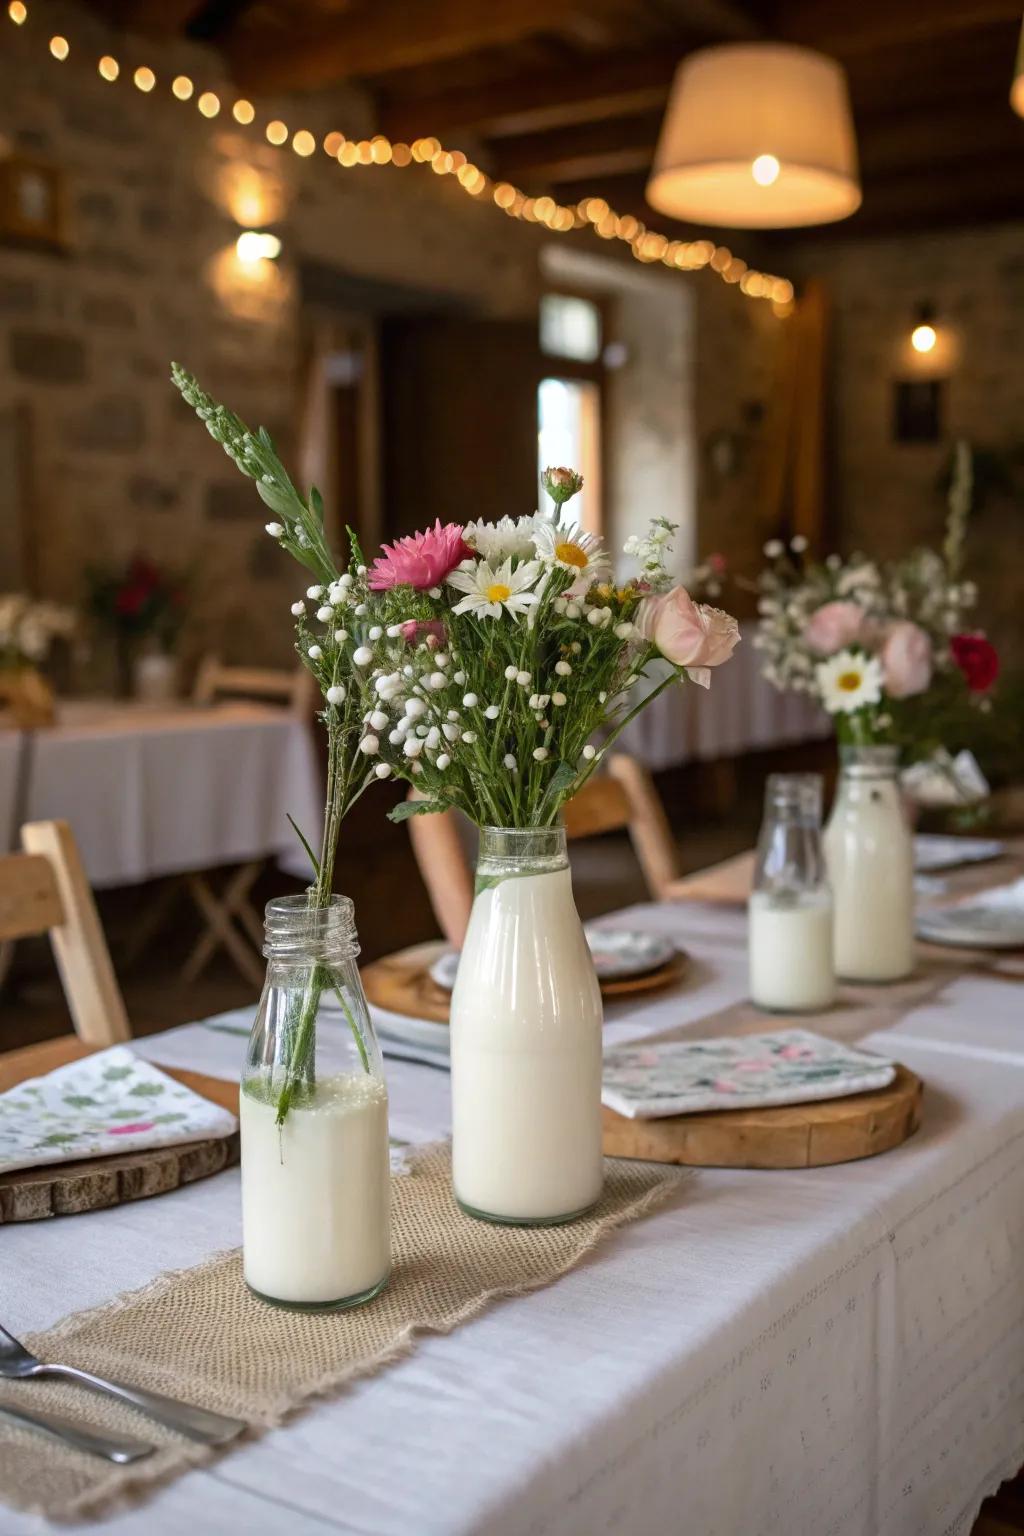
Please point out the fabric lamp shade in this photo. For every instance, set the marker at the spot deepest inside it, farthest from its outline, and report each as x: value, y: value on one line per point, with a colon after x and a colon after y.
x: 1017, y: 88
x: 757, y: 136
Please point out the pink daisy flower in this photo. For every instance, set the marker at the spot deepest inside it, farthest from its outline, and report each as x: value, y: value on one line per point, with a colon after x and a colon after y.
x: 422, y: 560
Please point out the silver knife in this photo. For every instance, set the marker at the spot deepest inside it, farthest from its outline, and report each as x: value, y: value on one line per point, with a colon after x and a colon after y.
x: 84, y: 1437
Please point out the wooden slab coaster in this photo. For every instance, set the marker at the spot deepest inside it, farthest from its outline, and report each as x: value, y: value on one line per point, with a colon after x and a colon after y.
x: 402, y: 982
x: 95, y: 1184
x: 787, y: 1136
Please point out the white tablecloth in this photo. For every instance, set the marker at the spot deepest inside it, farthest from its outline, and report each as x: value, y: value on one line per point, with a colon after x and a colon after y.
x: 739, y: 713
x: 152, y: 791
x: 834, y: 1352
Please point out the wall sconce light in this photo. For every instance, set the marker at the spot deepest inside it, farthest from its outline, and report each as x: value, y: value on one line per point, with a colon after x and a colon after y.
x: 924, y: 335
x: 254, y: 245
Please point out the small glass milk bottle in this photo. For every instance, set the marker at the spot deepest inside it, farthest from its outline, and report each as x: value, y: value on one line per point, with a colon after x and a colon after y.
x: 791, y: 969
x: 870, y: 853
x: 316, y: 1182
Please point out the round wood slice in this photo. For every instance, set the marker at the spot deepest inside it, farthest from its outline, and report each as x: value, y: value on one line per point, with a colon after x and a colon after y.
x: 789, y: 1136
x: 94, y: 1184
x: 402, y: 982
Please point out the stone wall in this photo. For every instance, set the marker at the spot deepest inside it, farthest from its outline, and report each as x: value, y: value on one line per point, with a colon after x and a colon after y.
x: 157, y: 195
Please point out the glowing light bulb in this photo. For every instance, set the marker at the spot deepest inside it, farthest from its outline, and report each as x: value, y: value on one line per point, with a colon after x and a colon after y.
x: 348, y: 154
x: 208, y: 104
x: 304, y: 143
x: 243, y: 111
x: 17, y: 12
x: 923, y: 338
x: 182, y: 87
x: 59, y: 47
x: 255, y: 245
x: 765, y: 170
x: 108, y: 67
x: 333, y: 142
x: 144, y: 78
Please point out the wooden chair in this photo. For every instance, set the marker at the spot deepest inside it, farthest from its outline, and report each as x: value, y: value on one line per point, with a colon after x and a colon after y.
x: 44, y: 890
x: 295, y: 688
x: 623, y: 797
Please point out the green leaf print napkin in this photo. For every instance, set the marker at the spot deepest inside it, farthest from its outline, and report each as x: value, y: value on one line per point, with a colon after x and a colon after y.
x: 107, y: 1103
x: 788, y: 1066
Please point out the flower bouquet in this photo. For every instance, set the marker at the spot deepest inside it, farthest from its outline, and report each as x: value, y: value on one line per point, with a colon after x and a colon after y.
x: 478, y: 662
x: 27, y: 631
x: 143, y: 608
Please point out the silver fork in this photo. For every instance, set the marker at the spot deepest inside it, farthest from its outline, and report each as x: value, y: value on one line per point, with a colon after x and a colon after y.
x: 18, y: 1364
x: 84, y: 1437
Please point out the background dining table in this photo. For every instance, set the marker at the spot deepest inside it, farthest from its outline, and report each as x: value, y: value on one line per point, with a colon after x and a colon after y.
x: 827, y: 1351
x: 153, y: 790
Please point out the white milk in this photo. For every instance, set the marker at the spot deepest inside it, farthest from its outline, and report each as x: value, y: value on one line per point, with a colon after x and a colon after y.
x: 870, y: 855
x: 316, y: 1193
x: 526, y: 1055
x: 791, y: 966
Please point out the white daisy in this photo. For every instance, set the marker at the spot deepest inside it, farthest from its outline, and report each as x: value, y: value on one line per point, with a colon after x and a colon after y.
x: 490, y: 589
x: 848, y: 681
x: 495, y: 542
x: 570, y: 549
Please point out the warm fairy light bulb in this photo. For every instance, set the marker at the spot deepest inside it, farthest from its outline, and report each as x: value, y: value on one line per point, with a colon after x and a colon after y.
x: 255, y: 245
x: 277, y: 132
x: 243, y: 111
x: 765, y: 170
x: 17, y: 12
x: 333, y: 142
x: 59, y: 47
x: 182, y: 87
x: 401, y: 154
x: 108, y: 67
x: 782, y: 291
x: 381, y: 150
x: 144, y: 78
x: 923, y: 338
x: 304, y: 143
x: 209, y: 104
x: 348, y: 154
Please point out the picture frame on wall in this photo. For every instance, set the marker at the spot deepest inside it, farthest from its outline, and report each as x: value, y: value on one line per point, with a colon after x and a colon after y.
x: 33, y: 203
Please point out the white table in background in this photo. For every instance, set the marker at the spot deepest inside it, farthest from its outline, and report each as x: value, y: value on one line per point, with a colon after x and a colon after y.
x: 157, y: 790
x: 829, y: 1352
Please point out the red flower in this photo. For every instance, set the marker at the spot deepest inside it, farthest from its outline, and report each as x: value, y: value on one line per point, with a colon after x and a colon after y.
x: 130, y: 599
x: 977, y: 659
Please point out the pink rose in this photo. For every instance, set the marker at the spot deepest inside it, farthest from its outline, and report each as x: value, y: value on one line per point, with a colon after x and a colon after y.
x: 688, y: 634
x: 833, y: 627
x: 906, y: 658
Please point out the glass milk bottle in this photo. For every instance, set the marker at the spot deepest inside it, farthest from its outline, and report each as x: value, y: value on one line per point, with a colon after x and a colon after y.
x: 791, y: 969
x: 870, y: 854
x: 526, y: 1039
x: 316, y: 1185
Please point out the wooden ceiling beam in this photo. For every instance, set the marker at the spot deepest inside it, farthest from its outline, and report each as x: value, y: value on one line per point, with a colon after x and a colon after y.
x: 852, y: 27
x: 591, y: 150
x: 385, y: 35
x: 617, y: 87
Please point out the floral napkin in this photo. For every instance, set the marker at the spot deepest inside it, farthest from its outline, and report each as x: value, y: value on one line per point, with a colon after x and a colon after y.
x: 789, y: 1066
x: 110, y: 1102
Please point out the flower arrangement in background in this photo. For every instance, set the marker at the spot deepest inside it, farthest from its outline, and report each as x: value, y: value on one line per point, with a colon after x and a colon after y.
x: 28, y: 629
x: 884, y: 647
x: 138, y: 601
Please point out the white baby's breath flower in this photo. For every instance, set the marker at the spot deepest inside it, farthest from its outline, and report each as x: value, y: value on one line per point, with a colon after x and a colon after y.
x: 624, y: 630
x: 511, y: 673
x: 369, y: 746
x: 414, y: 708
x: 509, y: 761
x: 362, y: 656
x: 276, y: 530
x: 325, y: 614
x: 443, y: 761
x: 375, y: 632
x: 393, y: 631
x: 450, y: 732
x: 396, y: 737
x: 315, y: 593
x: 469, y: 700
x: 599, y: 618
x: 314, y: 653
x: 492, y: 590
x: 558, y: 700
x: 589, y: 752
x: 378, y: 719
x: 798, y: 544
x: 469, y: 737
x: 383, y: 770
x: 336, y: 695
x: 492, y: 711
x: 298, y: 608
x: 540, y: 754
x: 773, y: 549
x: 563, y: 669
x: 437, y: 681
x: 523, y: 679
x: 413, y: 746
x: 459, y: 678
x: 341, y: 635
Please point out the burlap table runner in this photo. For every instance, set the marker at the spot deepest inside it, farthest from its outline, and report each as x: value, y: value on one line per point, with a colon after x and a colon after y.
x: 198, y: 1334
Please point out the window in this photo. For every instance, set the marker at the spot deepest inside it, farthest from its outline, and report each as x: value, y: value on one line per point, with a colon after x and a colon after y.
x: 569, y: 432
x: 570, y: 327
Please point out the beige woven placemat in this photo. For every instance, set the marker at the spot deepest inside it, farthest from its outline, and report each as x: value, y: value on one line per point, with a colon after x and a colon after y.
x: 198, y: 1334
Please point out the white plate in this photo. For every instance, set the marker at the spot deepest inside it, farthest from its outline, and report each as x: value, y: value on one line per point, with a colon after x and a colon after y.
x: 933, y: 851
x: 619, y: 953
x: 991, y: 920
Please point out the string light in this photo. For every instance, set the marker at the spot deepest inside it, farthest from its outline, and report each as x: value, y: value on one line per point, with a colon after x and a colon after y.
x: 593, y: 213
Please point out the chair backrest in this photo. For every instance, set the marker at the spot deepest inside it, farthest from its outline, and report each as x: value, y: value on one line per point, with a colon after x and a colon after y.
x: 45, y: 890
x: 295, y: 688
x: 623, y: 798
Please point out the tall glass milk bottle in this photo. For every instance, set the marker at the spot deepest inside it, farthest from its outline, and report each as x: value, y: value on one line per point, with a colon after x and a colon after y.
x: 526, y: 1039
x: 313, y: 1108
x: 790, y: 915
x: 870, y: 854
